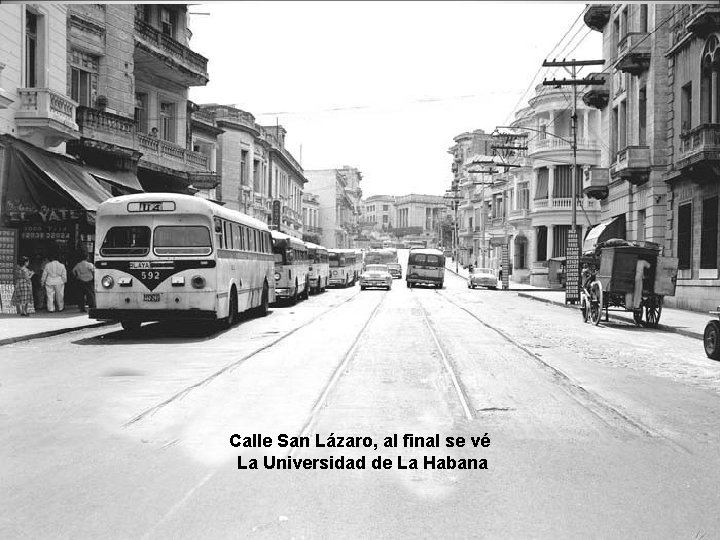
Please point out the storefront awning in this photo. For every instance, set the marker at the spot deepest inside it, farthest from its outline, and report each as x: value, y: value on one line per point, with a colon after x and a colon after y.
x: 71, y: 178
x: 611, y: 228
x: 122, y: 179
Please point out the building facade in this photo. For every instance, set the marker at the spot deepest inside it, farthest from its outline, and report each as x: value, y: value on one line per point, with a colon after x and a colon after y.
x: 311, y: 218
x: 419, y: 218
x: 693, y: 154
x: 378, y: 213
x: 337, y: 211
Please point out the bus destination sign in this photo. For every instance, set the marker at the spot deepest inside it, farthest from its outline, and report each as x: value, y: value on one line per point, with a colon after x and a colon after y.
x: 151, y: 206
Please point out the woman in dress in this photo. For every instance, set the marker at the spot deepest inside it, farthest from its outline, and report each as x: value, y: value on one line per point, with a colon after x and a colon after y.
x: 23, y: 295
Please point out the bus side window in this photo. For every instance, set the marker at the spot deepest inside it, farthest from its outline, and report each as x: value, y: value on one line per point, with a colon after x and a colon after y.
x: 236, y: 236
x: 219, y: 233
x: 228, y: 234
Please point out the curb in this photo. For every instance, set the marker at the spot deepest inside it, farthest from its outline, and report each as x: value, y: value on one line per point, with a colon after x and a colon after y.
x: 665, y: 328
x: 50, y: 333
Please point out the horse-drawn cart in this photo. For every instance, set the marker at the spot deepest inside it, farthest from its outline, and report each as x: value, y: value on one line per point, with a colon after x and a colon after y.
x: 626, y: 278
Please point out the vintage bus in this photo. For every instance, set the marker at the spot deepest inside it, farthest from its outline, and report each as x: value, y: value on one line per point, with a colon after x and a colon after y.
x: 319, y: 267
x: 381, y: 256
x: 343, y: 267
x: 292, y: 267
x: 425, y: 267
x: 166, y: 256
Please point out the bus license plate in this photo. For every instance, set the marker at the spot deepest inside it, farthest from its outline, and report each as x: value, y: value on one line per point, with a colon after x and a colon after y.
x: 155, y: 297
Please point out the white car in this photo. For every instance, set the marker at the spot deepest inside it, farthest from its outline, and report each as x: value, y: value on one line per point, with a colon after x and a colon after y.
x: 482, y: 277
x: 376, y: 275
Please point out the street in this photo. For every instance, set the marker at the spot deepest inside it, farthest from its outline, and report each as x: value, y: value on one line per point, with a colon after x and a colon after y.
x: 603, y: 432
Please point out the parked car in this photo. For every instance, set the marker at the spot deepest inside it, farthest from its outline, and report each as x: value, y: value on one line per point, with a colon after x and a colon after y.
x: 376, y: 275
x: 395, y: 270
x: 482, y: 277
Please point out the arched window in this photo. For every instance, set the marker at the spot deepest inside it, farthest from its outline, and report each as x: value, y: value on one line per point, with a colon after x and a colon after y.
x: 709, y: 83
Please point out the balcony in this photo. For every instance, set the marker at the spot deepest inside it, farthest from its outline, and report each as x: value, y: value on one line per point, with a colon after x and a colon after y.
x: 170, y: 155
x: 632, y: 164
x: 699, y: 155
x: 465, y: 204
x: 553, y: 144
x: 704, y: 19
x: 519, y: 214
x: 106, y: 128
x: 160, y: 55
x: 596, y: 16
x: 46, y: 117
x: 563, y: 204
x: 596, y: 182
x: 597, y: 96
x: 633, y: 53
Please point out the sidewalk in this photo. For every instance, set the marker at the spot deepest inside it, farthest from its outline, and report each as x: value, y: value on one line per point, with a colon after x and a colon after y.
x: 14, y: 328
x: 679, y: 321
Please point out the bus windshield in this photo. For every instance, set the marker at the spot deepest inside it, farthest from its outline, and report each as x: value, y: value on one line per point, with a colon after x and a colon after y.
x: 123, y: 241
x: 182, y: 240
x: 336, y: 260
x: 282, y: 252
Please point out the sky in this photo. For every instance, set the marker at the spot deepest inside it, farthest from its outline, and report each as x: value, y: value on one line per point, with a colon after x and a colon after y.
x: 384, y: 86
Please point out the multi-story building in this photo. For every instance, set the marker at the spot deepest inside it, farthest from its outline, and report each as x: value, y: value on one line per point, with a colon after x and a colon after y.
x: 337, y: 206
x: 693, y: 151
x: 378, y: 213
x: 550, y: 148
x: 353, y: 177
x: 164, y: 69
x: 467, y: 147
x: 311, y: 217
x: 419, y: 218
x: 205, y: 140
x: 258, y: 172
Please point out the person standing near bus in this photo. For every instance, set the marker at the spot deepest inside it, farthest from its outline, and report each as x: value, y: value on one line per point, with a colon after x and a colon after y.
x: 84, y: 271
x: 54, y: 279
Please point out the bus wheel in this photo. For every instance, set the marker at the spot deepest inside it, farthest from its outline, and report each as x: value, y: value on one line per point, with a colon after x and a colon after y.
x: 232, y: 309
x: 130, y: 326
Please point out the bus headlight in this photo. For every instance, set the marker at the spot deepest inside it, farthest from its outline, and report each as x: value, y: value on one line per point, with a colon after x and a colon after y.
x: 107, y: 282
x: 277, y: 276
x: 198, y: 282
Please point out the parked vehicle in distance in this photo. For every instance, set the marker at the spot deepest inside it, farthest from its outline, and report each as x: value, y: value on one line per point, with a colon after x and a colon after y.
x: 395, y: 270
x: 319, y: 267
x: 482, y: 277
x: 292, y: 261
x: 376, y: 275
x: 343, y: 267
x: 425, y: 267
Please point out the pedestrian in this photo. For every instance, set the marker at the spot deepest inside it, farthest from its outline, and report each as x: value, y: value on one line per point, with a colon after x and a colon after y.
x: 154, y: 133
x: 22, y: 295
x: 38, y: 265
x: 500, y: 281
x: 84, y: 271
x: 54, y: 279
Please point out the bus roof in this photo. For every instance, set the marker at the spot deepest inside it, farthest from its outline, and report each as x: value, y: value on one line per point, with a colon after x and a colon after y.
x: 315, y: 246
x: 426, y: 251
x: 277, y: 235
x: 187, y: 203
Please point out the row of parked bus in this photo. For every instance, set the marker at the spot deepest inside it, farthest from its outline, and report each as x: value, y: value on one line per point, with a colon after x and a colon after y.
x: 165, y: 256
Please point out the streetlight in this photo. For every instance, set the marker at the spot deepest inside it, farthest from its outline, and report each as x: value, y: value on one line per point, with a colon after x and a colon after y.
x: 572, y: 254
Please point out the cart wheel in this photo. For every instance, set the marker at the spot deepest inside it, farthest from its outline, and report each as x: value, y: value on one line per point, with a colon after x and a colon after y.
x: 584, y: 308
x: 637, y: 316
x: 711, y: 340
x: 596, y: 302
x: 653, y: 309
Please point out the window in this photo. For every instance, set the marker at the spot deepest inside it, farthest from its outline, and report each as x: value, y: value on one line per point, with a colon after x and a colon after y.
x: 686, y: 107
x: 640, y: 233
x: 122, y: 241
x: 386, y: 219
x: 243, y: 167
x: 622, y: 125
x: 31, y: 49
x: 83, y: 78
x: 613, y: 134
x: 642, y: 116
x: 167, y: 121
x: 643, y: 18
x: 523, y: 202
x: 541, y: 253
x: 709, y: 69
x: 684, y: 238
x: 257, y: 186
x: 623, y: 23
x: 386, y: 207
x: 709, y: 234
x: 182, y: 240
x: 168, y: 22
x: 560, y: 240
x: 141, y: 112
x: 541, y: 191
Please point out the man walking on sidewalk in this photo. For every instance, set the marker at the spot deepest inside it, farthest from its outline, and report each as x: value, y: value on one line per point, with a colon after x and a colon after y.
x: 54, y: 279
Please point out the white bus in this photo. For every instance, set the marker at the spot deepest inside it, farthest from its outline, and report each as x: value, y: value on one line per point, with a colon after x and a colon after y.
x: 166, y: 256
x: 292, y: 267
x: 425, y: 267
x: 343, y: 267
x: 319, y: 267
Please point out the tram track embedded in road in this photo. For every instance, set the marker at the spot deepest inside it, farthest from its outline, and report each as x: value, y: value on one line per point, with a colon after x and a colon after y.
x: 592, y: 402
x: 229, y: 367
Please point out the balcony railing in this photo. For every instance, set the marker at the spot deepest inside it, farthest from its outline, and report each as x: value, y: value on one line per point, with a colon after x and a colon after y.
x: 700, y: 146
x: 168, y: 154
x: 704, y: 18
x: 563, y: 203
x: 48, y: 112
x: 632, y: 164
x: 596, y: 183
x: 555, y: 144
x: 194, y: 63
x: 633, y: 53
x: 107, y: 127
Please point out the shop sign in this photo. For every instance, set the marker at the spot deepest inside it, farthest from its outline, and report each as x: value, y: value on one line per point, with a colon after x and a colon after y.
x: 18, y: 211
x: 39, y: 232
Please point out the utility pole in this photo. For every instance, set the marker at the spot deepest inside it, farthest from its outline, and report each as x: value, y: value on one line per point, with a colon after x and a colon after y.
x: 572, y: 255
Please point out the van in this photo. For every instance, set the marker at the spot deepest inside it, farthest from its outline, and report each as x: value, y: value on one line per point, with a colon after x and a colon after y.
x: 425, y: 267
